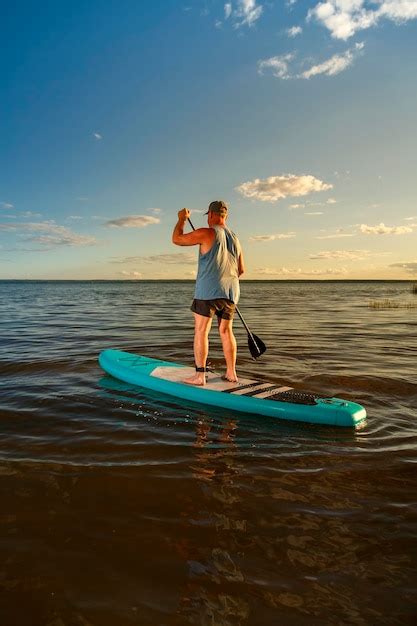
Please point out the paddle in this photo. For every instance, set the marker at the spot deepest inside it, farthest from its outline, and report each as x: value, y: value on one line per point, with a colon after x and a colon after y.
x: 256, y: 346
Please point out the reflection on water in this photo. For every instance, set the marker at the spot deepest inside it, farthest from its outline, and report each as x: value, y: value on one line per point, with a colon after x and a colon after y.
x: 122, y: 506
x: 299, y: 557
x: 215, y: 567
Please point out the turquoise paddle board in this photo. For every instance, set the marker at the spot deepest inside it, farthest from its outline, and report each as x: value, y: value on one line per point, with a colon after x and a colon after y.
x: 248, y: 395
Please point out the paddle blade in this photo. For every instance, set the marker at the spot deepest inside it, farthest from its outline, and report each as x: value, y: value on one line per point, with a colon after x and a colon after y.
x: 256, y: 346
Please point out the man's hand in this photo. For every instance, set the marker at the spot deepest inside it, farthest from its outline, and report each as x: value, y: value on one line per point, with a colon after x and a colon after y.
x: 184, y: 214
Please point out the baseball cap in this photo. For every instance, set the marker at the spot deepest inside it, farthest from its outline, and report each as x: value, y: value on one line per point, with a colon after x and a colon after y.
x: 218, y: 206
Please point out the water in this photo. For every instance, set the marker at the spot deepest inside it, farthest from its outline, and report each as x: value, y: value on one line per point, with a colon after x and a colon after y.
x: 122, y: 507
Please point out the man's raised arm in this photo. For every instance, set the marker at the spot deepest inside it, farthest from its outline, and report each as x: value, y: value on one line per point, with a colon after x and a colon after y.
x: 190, y: 239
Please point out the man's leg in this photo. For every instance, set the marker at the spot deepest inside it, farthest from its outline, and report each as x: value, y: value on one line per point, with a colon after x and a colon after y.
x: 229, y: 348
x: 202, y: 327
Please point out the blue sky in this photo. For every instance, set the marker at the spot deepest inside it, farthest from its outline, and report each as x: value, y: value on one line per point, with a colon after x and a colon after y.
x: 300, y: 114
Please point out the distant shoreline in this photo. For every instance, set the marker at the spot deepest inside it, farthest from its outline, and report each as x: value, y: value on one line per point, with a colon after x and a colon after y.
x: 192, y: 280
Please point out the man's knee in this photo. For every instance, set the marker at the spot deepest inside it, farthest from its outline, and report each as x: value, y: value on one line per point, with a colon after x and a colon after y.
x: 225, y: 327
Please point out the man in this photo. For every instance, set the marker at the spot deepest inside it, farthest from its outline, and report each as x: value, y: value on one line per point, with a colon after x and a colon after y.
x: 220, y: 263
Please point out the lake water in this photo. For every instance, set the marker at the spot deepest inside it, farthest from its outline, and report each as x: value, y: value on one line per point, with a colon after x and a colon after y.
x: 120, y: 507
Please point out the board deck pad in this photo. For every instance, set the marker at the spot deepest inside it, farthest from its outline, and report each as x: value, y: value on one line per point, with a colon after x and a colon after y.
x: 248, y: 395
x: 216, y: 383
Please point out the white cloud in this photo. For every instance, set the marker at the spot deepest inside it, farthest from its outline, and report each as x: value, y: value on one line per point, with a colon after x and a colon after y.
x: 227, y: 10
x: 133, y: 221
x: 314, y: 213
x: 52, y: 235
x: 278, y: 65
x: 131, y: 274
x: 175, y: 258
x: 350, y: 255
x: 410, y: 267
x: 276, y: 188
x: 64, y: 239
x: 398, y: 10
x: 247, y: 13
x: 6, y: 205
x: 98, y: 136
x: 294, y: 31
x: 331, y: 201
x: 272, y: 237
x: 381, y: 229
x: 343, y: 18
x: 410, y: 219
x: 297, y: 206
x: 336, y: 64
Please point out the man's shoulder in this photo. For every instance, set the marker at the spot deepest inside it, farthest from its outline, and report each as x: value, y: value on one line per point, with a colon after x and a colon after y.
x: 207, y: 234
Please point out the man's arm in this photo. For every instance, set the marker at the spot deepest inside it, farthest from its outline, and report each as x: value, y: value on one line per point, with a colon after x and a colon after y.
x: 193, y: 238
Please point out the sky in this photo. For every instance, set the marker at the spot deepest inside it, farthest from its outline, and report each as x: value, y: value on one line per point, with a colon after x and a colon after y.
x: 301, y: 114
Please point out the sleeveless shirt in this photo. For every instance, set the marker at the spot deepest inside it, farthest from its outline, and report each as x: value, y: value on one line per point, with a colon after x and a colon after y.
x: 218, y: 274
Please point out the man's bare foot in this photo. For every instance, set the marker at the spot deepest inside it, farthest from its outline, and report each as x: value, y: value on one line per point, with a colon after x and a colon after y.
x: 199, y: 379
x: 230, y: 378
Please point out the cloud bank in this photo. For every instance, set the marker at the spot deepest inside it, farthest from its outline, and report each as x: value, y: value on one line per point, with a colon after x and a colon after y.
x: 284, y: 271
x: 349, y: 255
x: 381, y: 229
x: 272, y: 237
x: 179, y: 258
x: 410, y: 267
x: 52, y: 235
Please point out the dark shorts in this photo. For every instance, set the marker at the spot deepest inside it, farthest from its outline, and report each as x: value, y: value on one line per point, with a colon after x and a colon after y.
x: 224, y: 309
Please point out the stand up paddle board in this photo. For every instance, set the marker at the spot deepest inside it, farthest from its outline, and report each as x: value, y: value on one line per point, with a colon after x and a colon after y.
x: 248, y: 395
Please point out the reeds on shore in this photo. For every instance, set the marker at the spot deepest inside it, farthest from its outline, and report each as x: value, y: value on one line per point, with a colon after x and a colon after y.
x: 391, y: 304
